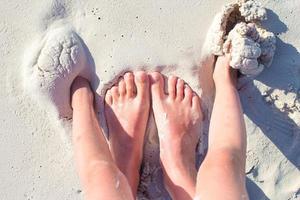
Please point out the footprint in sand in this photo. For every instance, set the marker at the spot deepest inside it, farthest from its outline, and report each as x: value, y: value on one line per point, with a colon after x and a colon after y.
x: 58, y: 59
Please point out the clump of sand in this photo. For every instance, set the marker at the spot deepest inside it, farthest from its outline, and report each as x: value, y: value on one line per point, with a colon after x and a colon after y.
x: 51, y: 66
x: 237, y: 30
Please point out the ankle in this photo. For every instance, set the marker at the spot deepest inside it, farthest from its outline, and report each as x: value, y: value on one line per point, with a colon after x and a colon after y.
x: 129, y: 163
x: 180, y: 177
x: 224, y: 79
x: 131, y: 172
x: 225, y: 86
x: 181, y: 187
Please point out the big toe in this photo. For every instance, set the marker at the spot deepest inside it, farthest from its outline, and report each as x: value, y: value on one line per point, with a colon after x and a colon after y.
x: 141, y: 80
x: 157, y: 85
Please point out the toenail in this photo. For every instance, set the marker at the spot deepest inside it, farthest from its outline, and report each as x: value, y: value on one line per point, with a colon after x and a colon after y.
x: 180, y: 81
x: 121, y: 80
x: 155, y: 77
x: 142, y: 77
x: 173, y: 77
x: 128, y: 75
x: 114, y: 89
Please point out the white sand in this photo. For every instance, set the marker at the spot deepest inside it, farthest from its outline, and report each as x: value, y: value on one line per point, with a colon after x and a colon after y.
x: 36, y: 155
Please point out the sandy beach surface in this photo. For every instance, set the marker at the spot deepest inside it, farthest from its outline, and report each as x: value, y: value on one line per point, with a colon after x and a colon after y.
x: 116, y: 36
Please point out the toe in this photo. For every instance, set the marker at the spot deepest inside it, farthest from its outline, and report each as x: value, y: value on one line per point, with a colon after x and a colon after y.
x: 180, y: 89
x: 141, y: 80
x: 108, y: 98
x: 129, y: 82
x: 196, y: 103
x: 115, y: 93
x: 172, y: 86
x: 121, y: 87
x: 188, y: 94
x: 157, y: 85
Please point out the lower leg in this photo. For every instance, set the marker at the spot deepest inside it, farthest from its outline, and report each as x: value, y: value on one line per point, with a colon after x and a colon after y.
x: 100, y: 177
x: 224, y: 165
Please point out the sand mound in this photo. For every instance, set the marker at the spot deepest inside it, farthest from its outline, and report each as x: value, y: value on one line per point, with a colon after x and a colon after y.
x: 57, y: 61
x: 237, y: 30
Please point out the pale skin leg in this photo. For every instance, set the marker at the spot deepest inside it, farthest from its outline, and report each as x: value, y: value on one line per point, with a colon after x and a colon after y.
x: 222, y: 173
x: 178, y: 117
x: 99, y: 175
x: 225, y: 161
x: 127, y: 111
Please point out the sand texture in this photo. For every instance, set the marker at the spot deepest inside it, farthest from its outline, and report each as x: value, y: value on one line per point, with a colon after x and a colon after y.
x: 45, y: 44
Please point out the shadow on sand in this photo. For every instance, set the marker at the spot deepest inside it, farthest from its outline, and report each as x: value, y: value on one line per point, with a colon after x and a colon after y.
x: 255, y: 193
x: 276, y: 125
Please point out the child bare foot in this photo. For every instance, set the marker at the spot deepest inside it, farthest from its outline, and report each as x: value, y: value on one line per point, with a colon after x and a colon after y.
x: 127, y: 112
x: 223, y: 73
x: 178, y: 118
x: 81, y: 93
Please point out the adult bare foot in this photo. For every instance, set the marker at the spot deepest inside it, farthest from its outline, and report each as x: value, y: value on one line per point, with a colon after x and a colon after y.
x: 178, y: 118
x: 127, y: 111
